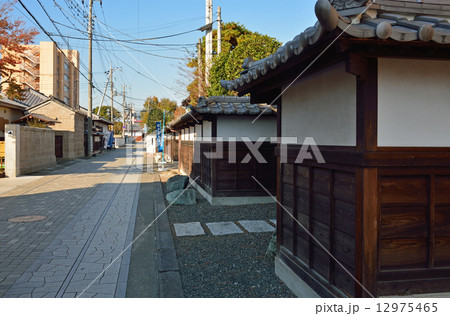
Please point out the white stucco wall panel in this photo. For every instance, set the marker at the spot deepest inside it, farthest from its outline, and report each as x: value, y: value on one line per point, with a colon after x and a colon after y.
x: 243, y: 126
x: 198, y: 131
x: 322, y: 106
x: 191, y: 133
x: 413, y: 103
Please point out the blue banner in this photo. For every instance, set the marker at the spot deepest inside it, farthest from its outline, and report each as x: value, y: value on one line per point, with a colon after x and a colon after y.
x: 159, y: 137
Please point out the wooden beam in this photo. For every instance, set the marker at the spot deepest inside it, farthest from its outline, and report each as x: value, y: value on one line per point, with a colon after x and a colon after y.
x: 367, y: 186
x: 366, y: 102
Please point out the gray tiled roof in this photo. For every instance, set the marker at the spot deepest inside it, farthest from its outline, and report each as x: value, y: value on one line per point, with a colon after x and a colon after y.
x: 402, y: 21
x: 10, y: 103
x: 40, y: 117
x: 33, y: 97
x: 230, y: 105
x: 223, y: 105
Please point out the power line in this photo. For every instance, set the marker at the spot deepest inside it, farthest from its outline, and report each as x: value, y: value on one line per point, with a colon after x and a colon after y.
x: 67, y: 43
x: 110, y: 39
x: 154, y: 29
x: 154, y: 79
x: 56, y: 44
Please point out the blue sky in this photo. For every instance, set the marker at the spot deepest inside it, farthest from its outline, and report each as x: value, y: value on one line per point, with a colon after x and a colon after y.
x: 129, y: 19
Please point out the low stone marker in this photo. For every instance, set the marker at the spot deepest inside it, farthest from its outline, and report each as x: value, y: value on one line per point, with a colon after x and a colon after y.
x: 182, y: 197
x: 256, y: 226
x: 176, y: 182
x: 224, y: 228
x: 188, y: 229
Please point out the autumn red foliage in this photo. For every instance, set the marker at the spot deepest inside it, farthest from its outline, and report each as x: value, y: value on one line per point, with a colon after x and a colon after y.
x: 13, y: 35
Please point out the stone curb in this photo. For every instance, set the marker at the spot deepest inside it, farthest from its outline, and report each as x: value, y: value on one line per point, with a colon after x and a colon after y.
x: 168, y: 270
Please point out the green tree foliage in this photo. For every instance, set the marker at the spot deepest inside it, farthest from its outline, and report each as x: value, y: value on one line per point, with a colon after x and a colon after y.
x: 228, y: 65
x: 238, y: 43
x: 118, y: 128
x: 105, y: 112
x: 154, y: 111
x: 231, y: 32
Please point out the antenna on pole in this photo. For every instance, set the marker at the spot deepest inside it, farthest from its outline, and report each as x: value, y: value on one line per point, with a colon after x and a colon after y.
x: 208, y: 40
x: 219, y: 30
x: 200, y: 68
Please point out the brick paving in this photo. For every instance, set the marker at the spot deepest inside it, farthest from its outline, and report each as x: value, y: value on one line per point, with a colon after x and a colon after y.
x: 90, y: 209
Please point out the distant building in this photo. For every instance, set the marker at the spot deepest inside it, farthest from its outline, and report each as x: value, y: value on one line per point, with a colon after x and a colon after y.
x: 54, y: 73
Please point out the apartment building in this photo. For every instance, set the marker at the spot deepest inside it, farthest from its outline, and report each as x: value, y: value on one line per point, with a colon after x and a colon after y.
x: 51, y: 72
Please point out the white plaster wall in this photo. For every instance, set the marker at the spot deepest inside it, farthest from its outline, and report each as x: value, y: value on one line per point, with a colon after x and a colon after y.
x: 151, y: 143
x: 186, y: 133
x: 191, y: 133
x: 207, y: 130
x: 413, y: 103
x: 322, y: 106
x: 242, y: 126
x: 198, y: 131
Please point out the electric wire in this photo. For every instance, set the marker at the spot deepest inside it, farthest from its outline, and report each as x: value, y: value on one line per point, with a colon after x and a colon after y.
x: 56, y: 44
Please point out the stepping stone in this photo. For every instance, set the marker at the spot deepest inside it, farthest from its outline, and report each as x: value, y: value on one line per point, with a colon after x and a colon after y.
x: 257, y: 226
x: 188, y: 229
x: 274, y: 221
x: 224, y: 228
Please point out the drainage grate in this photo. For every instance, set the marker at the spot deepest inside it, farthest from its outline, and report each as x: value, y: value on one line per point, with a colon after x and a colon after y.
x: 26, y: 219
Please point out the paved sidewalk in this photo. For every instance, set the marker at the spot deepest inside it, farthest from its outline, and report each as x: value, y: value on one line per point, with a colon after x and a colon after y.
x: 89, y: 211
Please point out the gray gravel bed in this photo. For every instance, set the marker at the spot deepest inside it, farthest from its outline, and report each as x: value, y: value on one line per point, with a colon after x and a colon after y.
x: 228, y: 266
x: 205, y: 212
x: 225, y: 266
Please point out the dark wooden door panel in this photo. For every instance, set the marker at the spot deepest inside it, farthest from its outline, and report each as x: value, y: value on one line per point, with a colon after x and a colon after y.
x: 59, y: 146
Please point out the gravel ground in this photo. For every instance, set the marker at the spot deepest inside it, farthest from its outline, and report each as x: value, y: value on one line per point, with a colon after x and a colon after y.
x: 225, y: 266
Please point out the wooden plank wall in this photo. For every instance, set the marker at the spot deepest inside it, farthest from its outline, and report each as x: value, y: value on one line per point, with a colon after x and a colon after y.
x: 414, y: 235
x: 236, y: 179
x: 221, y: 178
x: 171, y: 148
x: 318, y: 219
x: 186, y: 156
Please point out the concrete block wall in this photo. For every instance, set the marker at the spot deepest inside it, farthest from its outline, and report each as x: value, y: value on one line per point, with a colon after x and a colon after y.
x: 64, y: 116
x: 73, y: 145
x: 78, y: 137
x: 28, y: 149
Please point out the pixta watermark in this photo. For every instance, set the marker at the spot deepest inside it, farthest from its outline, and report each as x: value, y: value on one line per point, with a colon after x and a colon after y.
x: 225, y: 149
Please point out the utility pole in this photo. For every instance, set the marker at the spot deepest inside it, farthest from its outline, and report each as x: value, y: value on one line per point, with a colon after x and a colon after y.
x: 219, y: 30
x: 112, y: 93
x: 200, y: 68
x: 131, y: 122
x: 209, y: 40
x: 111, y: 78
x: 89, y: 140
x: 123, y: 117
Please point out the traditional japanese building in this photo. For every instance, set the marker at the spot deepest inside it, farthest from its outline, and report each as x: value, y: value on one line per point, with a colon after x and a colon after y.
x: 370, y: 82
x: 226, y: 125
